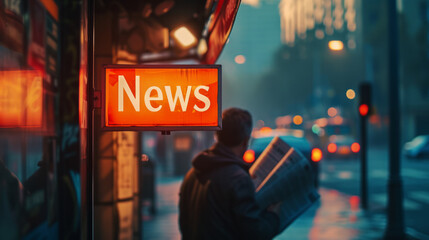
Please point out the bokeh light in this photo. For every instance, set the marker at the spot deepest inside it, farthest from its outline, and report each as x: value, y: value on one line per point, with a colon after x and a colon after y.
x: 336, y: 45
x: 316, y: 129
x: 332, y: 147
x: 297, y: 120
x: 355, y: 147
x: 265, y: 129
x: 351, y: 94
x: 240, y: 59
x: 332, y: 112
x: 316, y: 155
x: 322, y: 122
x: 184, y: 37
x: 249, y: 156
x: 351, y: 44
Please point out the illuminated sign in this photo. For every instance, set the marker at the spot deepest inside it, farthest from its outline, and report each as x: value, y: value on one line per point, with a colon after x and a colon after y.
x: 21, y: 99
x: 167, y: 97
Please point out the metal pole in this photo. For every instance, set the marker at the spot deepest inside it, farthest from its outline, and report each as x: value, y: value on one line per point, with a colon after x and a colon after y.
x: 91, y: 130
x: 363, y: 159
x: 140, y: 178
x: 395, y: 215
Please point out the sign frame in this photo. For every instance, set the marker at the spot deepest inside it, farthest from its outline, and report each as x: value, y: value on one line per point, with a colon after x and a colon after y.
x: 104, y: 126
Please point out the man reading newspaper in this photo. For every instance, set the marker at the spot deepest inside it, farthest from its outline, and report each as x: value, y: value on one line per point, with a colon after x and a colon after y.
x: 219, y: 199
x: 217, y: 196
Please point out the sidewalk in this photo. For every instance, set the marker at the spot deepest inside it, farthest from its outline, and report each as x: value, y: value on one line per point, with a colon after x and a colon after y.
x: 335, y: 216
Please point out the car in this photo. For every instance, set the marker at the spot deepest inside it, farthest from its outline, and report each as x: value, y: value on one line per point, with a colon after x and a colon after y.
x: 261, y: 139
x: 342, y: 146
x: 418, y: 147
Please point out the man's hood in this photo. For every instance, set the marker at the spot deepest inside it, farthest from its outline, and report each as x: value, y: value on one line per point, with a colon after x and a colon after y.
x: 217, y: 156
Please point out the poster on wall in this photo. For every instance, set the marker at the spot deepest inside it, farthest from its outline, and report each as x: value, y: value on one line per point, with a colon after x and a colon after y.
x: 125, y: 212
x: 126, y: 145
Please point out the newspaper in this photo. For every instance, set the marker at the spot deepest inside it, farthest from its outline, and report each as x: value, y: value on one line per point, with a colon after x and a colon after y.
x: 282, y: 175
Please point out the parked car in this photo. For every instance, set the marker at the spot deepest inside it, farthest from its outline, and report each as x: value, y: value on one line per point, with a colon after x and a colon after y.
x: 342, y: 146
x: 418, y: 147
x: 294, y: 138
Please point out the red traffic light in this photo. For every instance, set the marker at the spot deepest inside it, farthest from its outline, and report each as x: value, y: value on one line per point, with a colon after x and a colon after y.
x: 363, y: 110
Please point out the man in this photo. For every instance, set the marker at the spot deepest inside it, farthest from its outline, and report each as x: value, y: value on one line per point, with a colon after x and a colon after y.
x: 217, y: 196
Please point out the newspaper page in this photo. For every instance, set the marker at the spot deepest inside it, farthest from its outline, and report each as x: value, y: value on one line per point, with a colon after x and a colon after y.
x: 283, y: 174
x: 268, y: 159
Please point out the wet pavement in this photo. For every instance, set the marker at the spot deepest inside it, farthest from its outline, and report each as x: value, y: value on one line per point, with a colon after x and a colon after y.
x: 335, y: 216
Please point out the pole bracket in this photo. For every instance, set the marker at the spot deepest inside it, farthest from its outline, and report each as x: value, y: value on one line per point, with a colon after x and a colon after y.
x: 97, y: 99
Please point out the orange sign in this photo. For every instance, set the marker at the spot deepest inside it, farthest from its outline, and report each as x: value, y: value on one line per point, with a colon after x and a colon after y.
x: 21, y: 99
x: 170, y: 97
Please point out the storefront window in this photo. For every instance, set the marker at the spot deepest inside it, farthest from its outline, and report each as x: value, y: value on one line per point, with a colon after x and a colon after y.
x: 29, y: 78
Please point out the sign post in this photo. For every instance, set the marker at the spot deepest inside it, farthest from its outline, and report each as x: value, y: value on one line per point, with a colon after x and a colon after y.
x: 161, y: 97
x: 365, y: 107
x: 395, y: 227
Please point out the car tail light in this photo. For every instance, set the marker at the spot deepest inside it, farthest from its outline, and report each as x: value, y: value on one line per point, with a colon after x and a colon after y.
x: 316, y: 155
x: 249, y: 156
x: 355, y: 147
x: 332, y: 147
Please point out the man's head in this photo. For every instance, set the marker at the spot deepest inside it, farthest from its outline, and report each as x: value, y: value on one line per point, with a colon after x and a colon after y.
x: 236, y: 128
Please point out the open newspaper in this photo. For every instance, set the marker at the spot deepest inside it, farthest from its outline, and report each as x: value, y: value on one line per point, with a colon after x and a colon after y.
x: 283, y: 174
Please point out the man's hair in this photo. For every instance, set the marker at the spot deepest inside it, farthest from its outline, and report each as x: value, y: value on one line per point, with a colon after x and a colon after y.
x: 236, y: 127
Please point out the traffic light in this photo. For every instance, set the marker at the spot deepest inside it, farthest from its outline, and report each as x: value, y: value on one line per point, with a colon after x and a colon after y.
x: 365, y: 99
x: 364, y: 112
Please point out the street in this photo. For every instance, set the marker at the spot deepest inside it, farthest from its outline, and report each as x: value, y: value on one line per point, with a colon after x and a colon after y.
x: 333, y: 217
x: 344, y: 175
